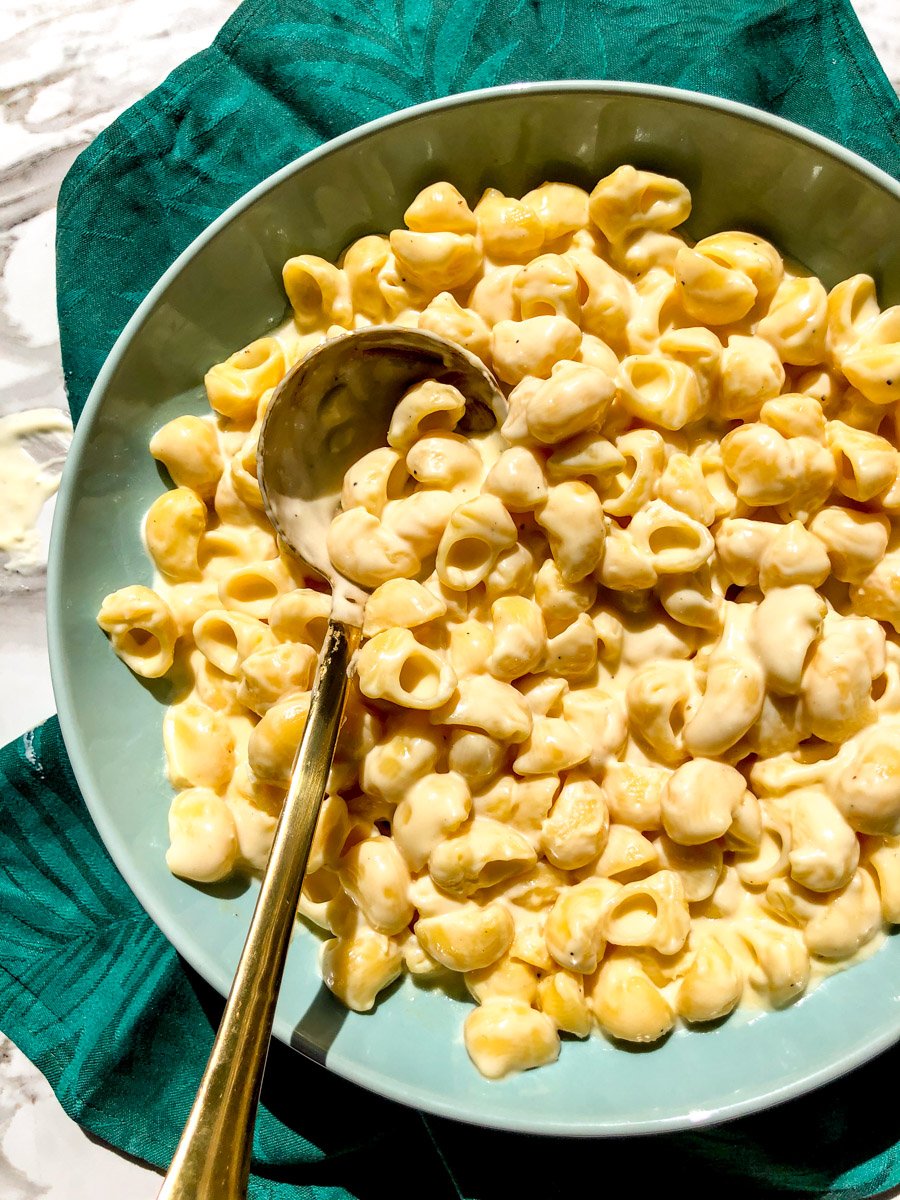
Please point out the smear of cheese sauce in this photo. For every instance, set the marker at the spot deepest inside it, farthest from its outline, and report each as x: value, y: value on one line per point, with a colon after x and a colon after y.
x: 27, y: 484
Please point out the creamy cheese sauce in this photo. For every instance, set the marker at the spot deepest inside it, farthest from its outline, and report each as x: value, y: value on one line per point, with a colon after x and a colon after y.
x: 726, y: 645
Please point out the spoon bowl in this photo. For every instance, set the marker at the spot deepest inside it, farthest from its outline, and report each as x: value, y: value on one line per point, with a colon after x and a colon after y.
x: 335, y: 406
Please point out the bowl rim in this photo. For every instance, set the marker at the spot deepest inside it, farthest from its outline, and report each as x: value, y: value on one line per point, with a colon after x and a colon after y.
x: 63, y: 684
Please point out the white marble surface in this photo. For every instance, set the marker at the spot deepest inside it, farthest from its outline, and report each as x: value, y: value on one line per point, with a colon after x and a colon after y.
x: 67, y: 68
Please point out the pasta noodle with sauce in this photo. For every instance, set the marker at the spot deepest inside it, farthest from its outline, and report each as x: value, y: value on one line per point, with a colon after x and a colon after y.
x: 622, y: 745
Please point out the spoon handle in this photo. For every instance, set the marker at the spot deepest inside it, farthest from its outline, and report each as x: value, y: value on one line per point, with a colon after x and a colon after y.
x: 212, y: 1161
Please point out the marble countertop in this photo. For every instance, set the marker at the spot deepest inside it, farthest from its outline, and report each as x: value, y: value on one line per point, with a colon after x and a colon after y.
x: 67, y: 69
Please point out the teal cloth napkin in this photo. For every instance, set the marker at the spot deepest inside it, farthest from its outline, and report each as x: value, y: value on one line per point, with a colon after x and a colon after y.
x: 89, y: 988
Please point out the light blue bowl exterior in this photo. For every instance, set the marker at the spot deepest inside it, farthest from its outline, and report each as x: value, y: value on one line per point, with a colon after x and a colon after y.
x: 822, y: 204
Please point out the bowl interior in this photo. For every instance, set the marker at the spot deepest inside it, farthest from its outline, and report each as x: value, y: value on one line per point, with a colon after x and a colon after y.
x: 816, y: 203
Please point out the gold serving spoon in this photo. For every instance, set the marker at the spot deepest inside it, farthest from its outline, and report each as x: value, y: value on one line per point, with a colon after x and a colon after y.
x: 332, y: 408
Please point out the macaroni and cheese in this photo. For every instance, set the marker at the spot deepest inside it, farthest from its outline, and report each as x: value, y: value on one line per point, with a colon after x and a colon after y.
x: 622, y: 742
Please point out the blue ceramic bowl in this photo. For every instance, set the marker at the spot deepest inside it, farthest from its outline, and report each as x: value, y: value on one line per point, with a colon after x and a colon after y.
x: 817, y: 202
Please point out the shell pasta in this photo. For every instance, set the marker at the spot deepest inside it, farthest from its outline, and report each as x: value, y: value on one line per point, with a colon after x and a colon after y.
x: 622, y: 740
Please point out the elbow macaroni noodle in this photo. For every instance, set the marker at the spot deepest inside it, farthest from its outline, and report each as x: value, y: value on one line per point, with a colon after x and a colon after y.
x: 622, y: 742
